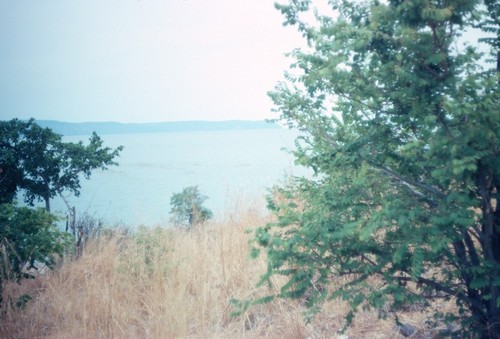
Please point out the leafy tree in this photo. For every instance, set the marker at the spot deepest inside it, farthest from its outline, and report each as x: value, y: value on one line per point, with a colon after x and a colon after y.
x: 29, y: 239
x: 36, y: 160
x: 401, y: 126
x: 187, y: 207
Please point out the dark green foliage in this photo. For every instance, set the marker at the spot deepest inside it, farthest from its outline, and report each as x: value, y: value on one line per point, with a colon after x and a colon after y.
x: 402, y: 130
x: 36, y: 160
x: 187, y: 208
x: 29, y: 239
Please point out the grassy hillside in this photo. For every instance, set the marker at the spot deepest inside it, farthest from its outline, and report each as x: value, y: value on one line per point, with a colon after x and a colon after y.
x: 162, y: 283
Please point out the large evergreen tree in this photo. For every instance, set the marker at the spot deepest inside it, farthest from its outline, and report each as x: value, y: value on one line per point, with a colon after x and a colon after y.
x: 401, y: 125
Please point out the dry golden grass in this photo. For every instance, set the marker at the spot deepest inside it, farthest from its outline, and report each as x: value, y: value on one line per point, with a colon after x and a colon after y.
x: 172, y: 284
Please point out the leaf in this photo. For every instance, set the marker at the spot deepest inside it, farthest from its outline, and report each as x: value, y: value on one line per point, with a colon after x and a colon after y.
x: 399, y: 254
x: 417, y: 260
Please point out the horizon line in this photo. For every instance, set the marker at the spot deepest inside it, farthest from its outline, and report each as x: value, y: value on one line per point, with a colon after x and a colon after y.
x: 155, y: 122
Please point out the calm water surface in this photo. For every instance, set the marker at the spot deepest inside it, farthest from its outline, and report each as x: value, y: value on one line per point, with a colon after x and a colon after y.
x: 229, y: 167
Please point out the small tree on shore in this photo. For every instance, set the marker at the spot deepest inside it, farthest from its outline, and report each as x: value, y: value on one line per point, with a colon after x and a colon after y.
x: 36, y: 160
x: 187, y: 208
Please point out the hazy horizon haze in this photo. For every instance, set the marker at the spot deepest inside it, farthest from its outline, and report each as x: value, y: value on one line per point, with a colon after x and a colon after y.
x: 141, y: 61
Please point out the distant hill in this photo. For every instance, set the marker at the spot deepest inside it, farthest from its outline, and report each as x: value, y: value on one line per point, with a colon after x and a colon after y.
x: 101, y: 128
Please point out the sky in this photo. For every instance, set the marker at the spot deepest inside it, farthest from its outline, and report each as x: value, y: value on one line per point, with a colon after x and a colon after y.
x: 141, y: 61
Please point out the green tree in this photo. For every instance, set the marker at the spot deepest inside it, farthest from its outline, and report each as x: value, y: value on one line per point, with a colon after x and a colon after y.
x: 187, y: 207
x: 401, y: 125
x: 29, y: 239
x: 36, y: 160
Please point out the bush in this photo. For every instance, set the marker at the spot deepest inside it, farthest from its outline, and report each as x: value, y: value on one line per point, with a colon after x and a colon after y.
x: 29, y: 240
x: 187, y: 208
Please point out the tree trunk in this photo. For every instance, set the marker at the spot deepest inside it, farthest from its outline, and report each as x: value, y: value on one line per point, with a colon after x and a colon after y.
x: 490, y: 228
x: 47, y: 204
x: 46, y: 197
x: 494, y: 325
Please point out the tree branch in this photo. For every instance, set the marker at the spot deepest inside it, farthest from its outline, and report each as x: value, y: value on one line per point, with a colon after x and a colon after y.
x: 434, y: 284
x: 412, y: 185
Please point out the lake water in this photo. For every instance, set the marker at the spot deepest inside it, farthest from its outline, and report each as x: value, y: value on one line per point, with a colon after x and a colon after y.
x: 230, y: 167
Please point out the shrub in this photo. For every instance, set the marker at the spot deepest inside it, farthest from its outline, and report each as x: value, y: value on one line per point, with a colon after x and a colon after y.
x: 29, y: 240
x: 187, y: 208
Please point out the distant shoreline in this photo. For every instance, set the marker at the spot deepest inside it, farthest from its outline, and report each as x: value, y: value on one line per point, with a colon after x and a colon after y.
x: 103, y: 128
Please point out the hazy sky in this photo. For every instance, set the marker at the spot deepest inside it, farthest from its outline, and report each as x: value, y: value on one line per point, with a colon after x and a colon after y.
x: 141, y: 61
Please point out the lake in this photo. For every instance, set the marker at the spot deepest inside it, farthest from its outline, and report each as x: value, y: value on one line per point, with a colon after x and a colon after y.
x: 230, y: 167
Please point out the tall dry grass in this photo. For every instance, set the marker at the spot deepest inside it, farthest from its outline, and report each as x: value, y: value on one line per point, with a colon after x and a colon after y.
x: 162, y: 283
